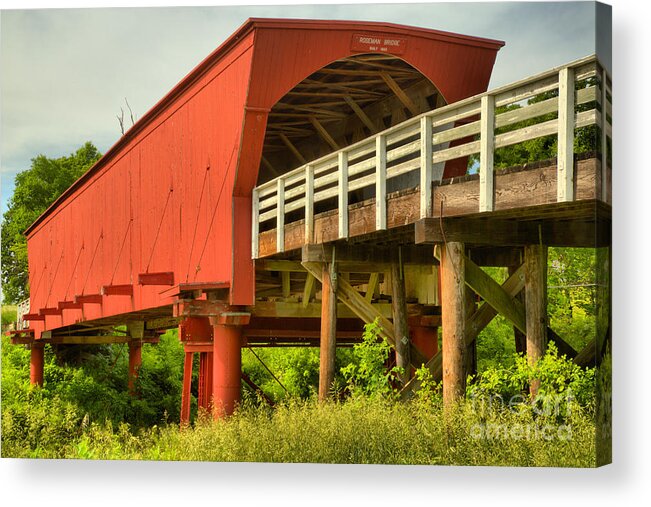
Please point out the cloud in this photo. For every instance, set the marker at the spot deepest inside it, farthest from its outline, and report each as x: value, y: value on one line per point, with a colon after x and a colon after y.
x: 66, y: 72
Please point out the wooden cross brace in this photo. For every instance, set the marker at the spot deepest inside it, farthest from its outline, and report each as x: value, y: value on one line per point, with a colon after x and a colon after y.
x: 498, y: 299
x: 361, y: 307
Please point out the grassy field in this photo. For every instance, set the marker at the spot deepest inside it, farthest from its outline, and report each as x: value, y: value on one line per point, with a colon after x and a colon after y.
x: 84, y: 411
x: 361, y: 430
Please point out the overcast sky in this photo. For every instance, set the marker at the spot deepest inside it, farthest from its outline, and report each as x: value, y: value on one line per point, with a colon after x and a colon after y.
x: 66, y: 72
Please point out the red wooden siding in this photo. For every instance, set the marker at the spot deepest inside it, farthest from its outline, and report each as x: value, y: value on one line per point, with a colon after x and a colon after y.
x: 173, y: 195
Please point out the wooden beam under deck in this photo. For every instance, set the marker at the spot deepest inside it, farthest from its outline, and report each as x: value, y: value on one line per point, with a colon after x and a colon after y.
x: 83, y: 340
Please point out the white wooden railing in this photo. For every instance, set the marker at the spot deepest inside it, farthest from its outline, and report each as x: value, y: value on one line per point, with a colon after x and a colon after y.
x: 422, y: 144
x: 22, y: 309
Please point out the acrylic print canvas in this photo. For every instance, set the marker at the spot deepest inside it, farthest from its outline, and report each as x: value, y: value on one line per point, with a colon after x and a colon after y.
x: 345, y: 236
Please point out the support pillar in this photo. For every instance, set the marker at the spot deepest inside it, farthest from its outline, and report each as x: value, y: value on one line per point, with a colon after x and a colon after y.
x: 328, y: 343
x: 535, y: 286
x: 193, y: 331
x: 36, y: 361
x: 399, y: 308
x: 453, y: 309
x: 520, y: 337
x: 205, y: 380
x: 227, y: 369
x: 135, y: 361
x: 186, y: 394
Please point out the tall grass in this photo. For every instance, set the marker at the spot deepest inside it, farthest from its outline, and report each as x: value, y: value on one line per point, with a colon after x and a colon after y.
x: 360, y: 430
x: 80, y: 413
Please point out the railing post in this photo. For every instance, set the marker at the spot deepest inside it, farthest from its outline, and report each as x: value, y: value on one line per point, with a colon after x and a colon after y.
x: 380, y: 183
x: 255, y: 224
x: 425, y: 167
x: 309, y: 204
x: 604, y: 135
x: 565, y: 168
x: 343, y: 195
x: 280, y: 216
x: 486, y: 154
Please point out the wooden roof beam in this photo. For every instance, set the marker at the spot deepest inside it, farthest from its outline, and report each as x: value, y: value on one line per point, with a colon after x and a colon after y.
x: 399, y: 92
x: 324, y: 133
x: 361, y: 114
x: 269, y: 166
x: 292, y: 148
x: 382, y: 66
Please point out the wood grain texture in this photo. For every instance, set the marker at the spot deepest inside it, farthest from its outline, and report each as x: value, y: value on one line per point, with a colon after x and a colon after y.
x: 535, y: 263
x: 399, y: 307
x: 453, y: 310
x: 328, y: 344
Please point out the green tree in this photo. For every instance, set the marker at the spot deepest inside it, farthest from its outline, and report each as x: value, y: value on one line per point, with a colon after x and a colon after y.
x: 35, y: 189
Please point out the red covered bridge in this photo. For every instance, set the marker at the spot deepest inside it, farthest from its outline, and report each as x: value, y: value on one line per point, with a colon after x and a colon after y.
x: 301, y: 152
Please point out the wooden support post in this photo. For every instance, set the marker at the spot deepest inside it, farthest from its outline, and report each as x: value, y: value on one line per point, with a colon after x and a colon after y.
x: 308, y: 290
x: 535, y: 286
x: 328, y: 345
x: 565, y: 167
x: 399, y: 307
x: 487, y: 148
x: 286, y: 283
x: 482, y: 317
x: 36, y: 361
x: 453, y: 308
x: 520, y: 337
x: 373, y: 281
x: 186, y: 394
x: 367, y: 312
x: 135, y: 362
x: 227, y: 368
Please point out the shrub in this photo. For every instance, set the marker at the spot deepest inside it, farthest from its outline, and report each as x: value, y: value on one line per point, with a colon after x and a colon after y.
x: 367, y: 373
x: 559, y: 378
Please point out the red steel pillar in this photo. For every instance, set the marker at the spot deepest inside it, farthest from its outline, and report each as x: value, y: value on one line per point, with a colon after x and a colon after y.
x: 36, y: 362
x: 186, y: 395
x: 227, y: 369
x: 205, y: 380
x: 195, y: 332
x: 135, y: 361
